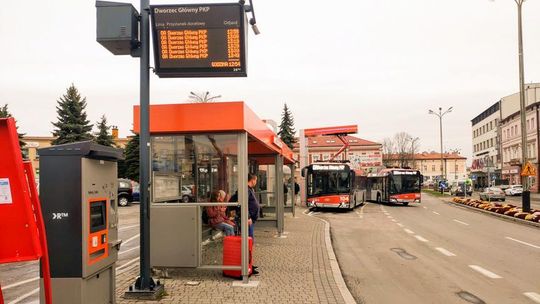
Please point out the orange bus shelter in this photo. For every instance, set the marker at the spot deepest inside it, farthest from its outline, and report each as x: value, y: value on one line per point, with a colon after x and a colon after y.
x: 194, y: 141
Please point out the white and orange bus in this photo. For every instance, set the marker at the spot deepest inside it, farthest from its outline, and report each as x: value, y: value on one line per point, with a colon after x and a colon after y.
x: 334, y: 185
x: 398, y: 186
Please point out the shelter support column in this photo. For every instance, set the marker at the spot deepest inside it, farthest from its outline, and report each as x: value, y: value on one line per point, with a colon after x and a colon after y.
x: 280, y: 195
x: 243, y: 167
x: 293, y: 192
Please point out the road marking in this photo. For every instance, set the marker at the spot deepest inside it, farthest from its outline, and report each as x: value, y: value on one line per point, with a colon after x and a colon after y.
x: 131, y: 249
x: 20, y: 283
x: 435, y: 212
x: 425, y: 207
x: 462, y: 223
x: 393, y: 220
x: 310, y: 213
x: 131, y: 238
x: 421, y: 239
x: 128, y: 263
x: 524, y: 243
x: 24, y: 296
x: 400, y: 224
x: 533, y: 296
x: 29, y: 294
x: 485, y: 272
x: 445, y: 252
x: 128, y: 227
x: 408, y: 231
x: 389, y: 216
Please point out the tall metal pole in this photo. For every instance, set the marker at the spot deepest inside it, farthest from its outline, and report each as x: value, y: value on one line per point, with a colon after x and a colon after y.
x: 526, y: 196
x: 144, y: 166
x: 443, y: 174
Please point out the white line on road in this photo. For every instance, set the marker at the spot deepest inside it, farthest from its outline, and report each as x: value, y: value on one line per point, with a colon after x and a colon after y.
x: 462, y: 223
x: 445, y: 252
x: 24, y: 296
x: 131, y: 249
x: 421, y: 239
x: 128, y: 263
x: 20, y: 283
x: 435, y: 212
x: 533, y: 296
x: 127, y: 227
x: 408, y: 231
x: 131, y: 238
x: 425, y: 207
x: 524, y: 243
x: 400, y: 224
x: 389, y: 216
x: 485, y: 272
x: 393, y: 220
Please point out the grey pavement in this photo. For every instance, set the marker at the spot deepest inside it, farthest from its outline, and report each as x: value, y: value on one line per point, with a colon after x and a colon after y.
x: 295, y: 269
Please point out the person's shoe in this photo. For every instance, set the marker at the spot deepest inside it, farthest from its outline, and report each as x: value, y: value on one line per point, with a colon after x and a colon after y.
x: 255, y: 267
x: 255, y: 272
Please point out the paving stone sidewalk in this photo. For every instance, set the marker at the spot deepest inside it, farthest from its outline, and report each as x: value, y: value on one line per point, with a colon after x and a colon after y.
x: 295, y: 269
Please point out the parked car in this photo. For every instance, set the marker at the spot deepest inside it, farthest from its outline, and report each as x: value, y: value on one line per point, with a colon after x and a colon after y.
x: 514, y: 190
x: 492, y: 194
x: 125, y: 192
x: 457, y: 189
x: 187, y: 194
x: 136, y: 191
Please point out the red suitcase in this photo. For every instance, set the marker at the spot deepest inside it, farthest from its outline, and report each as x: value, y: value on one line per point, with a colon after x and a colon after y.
x: 232, y: 255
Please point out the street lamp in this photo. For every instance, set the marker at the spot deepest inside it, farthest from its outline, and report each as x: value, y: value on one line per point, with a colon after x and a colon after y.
x: 440, y: 115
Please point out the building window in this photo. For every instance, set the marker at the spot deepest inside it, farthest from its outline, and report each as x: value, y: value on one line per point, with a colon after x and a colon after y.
x: 433, y: 168
x: 532, y: 123
x: 492, y: 142
x: 315, y: 158
x: 491, y: 125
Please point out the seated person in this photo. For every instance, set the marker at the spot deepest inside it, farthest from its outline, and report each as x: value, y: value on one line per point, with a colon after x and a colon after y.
x: 216, y: 214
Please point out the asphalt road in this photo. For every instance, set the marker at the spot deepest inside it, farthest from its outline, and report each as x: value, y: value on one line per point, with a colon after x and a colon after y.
x: 435, y: 253
x: 20, y: 281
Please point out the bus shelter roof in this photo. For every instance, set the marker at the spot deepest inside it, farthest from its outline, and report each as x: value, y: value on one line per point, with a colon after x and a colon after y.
x: 217, y: 117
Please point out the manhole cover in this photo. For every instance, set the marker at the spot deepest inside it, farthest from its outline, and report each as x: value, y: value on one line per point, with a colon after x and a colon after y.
x: 469, y: 297
x: 403, y: 253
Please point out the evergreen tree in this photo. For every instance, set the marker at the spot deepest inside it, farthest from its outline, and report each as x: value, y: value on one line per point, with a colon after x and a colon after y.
x: 129, y: 167
x: 4, y: 113
x: 72, y: 125
x: 286, y: 128
x: 103, y: 137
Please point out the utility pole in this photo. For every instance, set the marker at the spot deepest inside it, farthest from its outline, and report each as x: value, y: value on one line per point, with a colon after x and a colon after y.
x: 526, y: 196
x: 440, y: 115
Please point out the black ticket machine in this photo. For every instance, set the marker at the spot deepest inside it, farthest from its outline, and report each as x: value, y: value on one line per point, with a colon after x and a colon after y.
x: 78, y: 191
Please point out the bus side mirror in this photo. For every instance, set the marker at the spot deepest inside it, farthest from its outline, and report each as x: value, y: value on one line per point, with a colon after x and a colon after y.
x: 304, y: 172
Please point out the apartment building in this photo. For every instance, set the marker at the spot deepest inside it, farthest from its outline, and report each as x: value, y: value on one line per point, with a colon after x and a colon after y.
x: 486, y: 162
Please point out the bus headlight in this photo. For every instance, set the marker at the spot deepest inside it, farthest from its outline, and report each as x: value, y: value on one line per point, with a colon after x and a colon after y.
x: 344, y: 199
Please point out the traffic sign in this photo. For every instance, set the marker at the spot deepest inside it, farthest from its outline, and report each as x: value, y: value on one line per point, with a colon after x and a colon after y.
x: 528, y: 170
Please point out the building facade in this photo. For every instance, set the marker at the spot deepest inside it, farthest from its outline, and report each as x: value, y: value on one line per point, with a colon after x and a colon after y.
x: 453, y: 167
x: 486, y: 162
x: 510, y: 132
x: 363, y: 154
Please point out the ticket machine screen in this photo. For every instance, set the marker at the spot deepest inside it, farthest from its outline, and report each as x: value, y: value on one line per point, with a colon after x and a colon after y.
x: 97, y: 216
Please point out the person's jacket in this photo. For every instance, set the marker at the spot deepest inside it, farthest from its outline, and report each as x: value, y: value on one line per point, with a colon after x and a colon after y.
x: 253, y: 205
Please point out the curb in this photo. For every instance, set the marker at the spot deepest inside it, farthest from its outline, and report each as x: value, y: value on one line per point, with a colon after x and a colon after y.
x: 502, y: 216
x: 336, y: 271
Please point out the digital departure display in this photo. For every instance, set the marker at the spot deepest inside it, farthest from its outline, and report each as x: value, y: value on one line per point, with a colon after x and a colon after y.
x: 205, y: 40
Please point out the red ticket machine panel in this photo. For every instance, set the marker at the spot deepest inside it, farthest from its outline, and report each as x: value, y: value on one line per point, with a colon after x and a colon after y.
x: 19, y: 236
x: 98, y: 232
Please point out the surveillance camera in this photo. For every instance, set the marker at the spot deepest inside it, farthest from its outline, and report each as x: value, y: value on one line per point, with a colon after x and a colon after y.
x: 255, y: 29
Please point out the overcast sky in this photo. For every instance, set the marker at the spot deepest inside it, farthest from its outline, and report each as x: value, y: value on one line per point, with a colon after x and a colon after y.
x: 381, y: 64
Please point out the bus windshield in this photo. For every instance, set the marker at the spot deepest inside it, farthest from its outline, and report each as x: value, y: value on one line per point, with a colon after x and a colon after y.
x: 328, y: 182
x: 400, y: 184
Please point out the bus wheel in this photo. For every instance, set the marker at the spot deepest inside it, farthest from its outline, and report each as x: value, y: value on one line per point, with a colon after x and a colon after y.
x: 406, y: 204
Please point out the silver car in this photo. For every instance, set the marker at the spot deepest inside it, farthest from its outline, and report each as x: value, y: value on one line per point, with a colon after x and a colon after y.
x: 492, y: 194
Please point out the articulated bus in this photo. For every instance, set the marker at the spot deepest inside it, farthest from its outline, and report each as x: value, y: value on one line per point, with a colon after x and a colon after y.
x: 334, y: 185
x: 395, y: 186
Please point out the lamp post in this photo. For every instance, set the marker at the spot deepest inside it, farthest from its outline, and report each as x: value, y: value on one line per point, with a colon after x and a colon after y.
x: 440, y: 114
x: 526, y: 196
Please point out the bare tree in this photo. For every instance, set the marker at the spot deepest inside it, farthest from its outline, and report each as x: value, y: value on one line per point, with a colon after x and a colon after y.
x: 202, y: 97
x: 389, y: 152
x: 400, y: 150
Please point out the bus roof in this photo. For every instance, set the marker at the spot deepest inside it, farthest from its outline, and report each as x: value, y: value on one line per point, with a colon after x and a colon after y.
x: 387, y: 171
